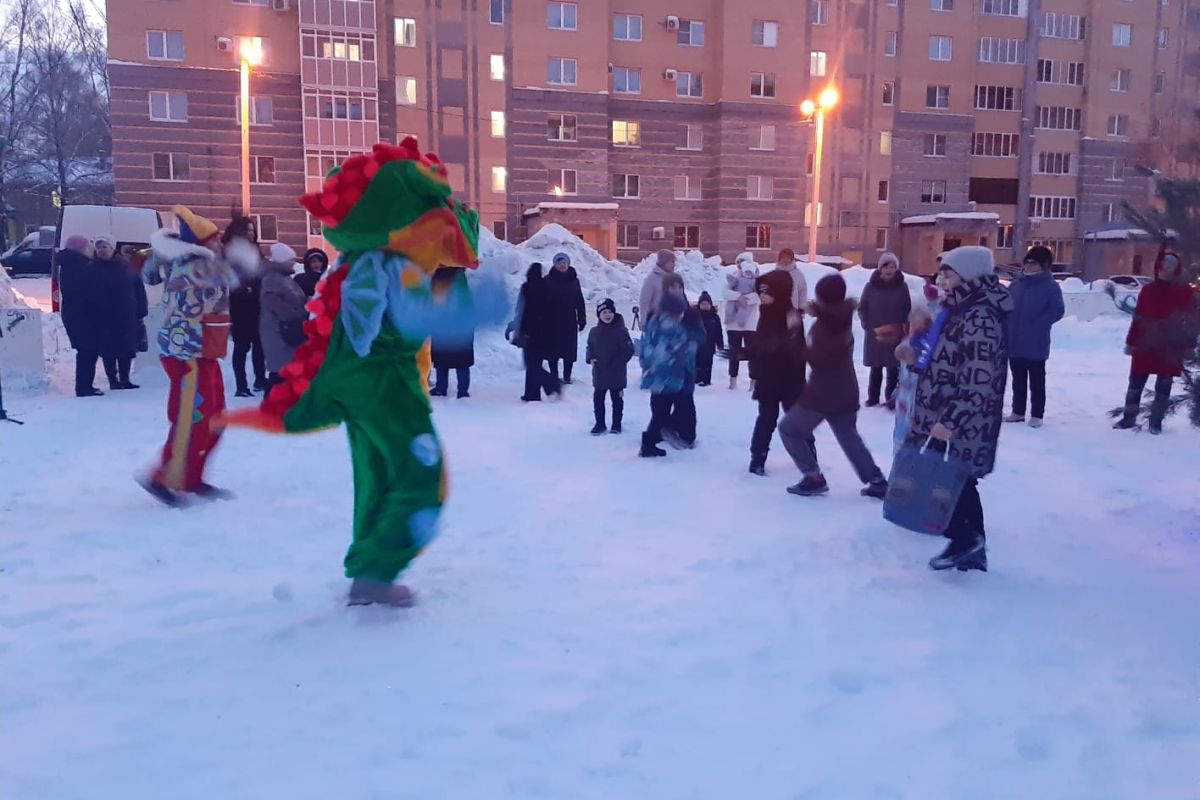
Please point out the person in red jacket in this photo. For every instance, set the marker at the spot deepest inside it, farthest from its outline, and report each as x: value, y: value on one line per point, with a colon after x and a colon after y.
x: 1160, y: 337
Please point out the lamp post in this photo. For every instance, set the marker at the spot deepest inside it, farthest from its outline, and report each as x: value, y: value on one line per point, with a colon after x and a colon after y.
x: 825, y: 101
x: 251, y: 56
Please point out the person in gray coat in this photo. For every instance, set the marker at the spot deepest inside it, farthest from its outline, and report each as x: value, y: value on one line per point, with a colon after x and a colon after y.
x: 883, y: 309
x: 281, y: 323
x: 652, y: 288
x: 1037, y: 305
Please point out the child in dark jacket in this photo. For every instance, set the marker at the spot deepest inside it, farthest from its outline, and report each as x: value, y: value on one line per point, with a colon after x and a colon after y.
x: 777, y: 361
x: 714, y: 339
x: 668, y: 358
x: 609, y: 350
x: 830, y: 395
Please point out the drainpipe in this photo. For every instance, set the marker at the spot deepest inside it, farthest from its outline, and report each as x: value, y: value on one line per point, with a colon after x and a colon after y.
x: 1021, y: 229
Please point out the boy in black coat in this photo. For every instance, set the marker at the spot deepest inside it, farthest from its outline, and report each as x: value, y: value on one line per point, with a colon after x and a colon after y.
x: 715, y: 339
x: 609, y: 350
x: 777, y: 357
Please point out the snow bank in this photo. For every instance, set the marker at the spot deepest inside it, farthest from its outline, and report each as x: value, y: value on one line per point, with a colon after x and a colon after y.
x: 9, y: 296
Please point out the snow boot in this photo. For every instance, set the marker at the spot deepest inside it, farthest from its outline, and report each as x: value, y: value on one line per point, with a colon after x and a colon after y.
x: 1155, y: 428
x: 1124, y: 424
x: 758, y: 465
x: 733, y: 381
x: 877, y: 488
x: 599, y: 429
x: 243, y: 393
x: 1015, y: 418
x: 437, y: 391
x: 93, y: 392
x: 811, y: 486
x: 615, y: 427
x: 160, y: 493
x: 966, y: 552
x: 676, y: 441
x: 463, y: 395
x: 978, y: 562
x: 368, y: 591
x: 206, y: 491
x: 872, y: 402
x: 130, y: 385
x: 1036, y: 422
x: 649, y: 449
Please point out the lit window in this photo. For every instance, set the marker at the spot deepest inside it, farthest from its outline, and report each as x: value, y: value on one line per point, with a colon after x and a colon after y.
x: 406, y: 32
x: 262, y: 169
x: 406, y: 90
x: 497, y: 64
x: 499, y: 179
x: 562, y: 181
x: 817, y: 60
x: 626, y: 133
x: 885, y: 143
x: 497, y: 124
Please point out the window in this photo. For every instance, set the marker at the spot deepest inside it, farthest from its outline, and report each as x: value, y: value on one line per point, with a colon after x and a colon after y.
x: 1002, y: 8
x: 941, y: 5
x: 889, y: 44
x: 500, y: 229
x: 1064, y: 72
x: 763, y: 138
x: 406, y: 90
x: 994, y: 191
x: 627, y: 236
x: 935, y: 144
x: 687, y: 237
x: 1063, y: 249
x: 627, y: 28
x: 689, y: 84
x: 693, y: 138
x: 1057, y: 118
x: 562, y: 128
x: 1004, y: 236
x: 171, y: 166
x: 766, y: 34
x: 1053, y: 164
x: 1001, y: 51
x: 627, y: 80
x: 1117, y: 171
x: 758, y: 237
x: 267, y: 226
x: 344, y: 51
x: 562, y: 16
x: 937, y: 96
x: 885, y: 143
x: 339, y: 105
x: 406, y: 32
x: 1155, y: 126
x: 997, y: 98
x: 561, y: 71
x: 690, y: 33
x: 687, y: 187
x: 1160, y: 82
x: 819, y: 12
x: 627, y: 186
x: 499, y: 179
x: 889, y: 93
x: 1052, y: 207
x: 1062, y: 26
x: 881, y: 238
x: 262, y: 169
x: 941, y: 48
x: 497, y: 124
x: 760, y: 187
x: 164, y: 45
x: 816, y: 63
x: 893, y: 3
x: 168, y: 106
x: 762, y: 84
x: 1122, y: 34
x: 1119, y: 81
x: 933, y: 191
x: 1118, y: 124
x: 883, y: 192
x: 496, y: 12
x: 262, y: 111
x: 626, y: 133
x: 497, y: 64
x: 995, y: 145
x: 808, y: 213
x: 562, y: 181
x: 1162, y: 38
x: 263, y: 45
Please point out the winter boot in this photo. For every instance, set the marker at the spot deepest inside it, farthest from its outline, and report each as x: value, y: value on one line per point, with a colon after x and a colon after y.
x: 758, y: 464
x: 1155, y: 428
x: 733, y: 381
x: 437, y: 391
x: 615, y: 427
x: 1036, y: 422
x: 243, y: 393
x: 368, y: 591
x: 966, y: 552
x: 877, y: 488
x: 599, y: 429
x: 160, y: 492
x: 206, y: 491
x: 649, y: 449
x: 1124, y: 423
x: 130, y: 385
x: 1015, y: 418
x: 872, y: 402
x: 978, y: 562
x: 811, y: 486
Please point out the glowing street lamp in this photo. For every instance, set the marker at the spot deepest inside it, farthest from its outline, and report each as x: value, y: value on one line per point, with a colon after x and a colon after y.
x: 558, y: 191
x: 251, y: 55
x: 826, y: 100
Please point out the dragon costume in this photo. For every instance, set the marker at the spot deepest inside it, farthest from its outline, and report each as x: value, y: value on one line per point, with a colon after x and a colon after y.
x: 391, y: 215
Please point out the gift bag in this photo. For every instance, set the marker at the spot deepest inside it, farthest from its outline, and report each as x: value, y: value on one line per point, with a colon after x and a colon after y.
x: 923, y: 489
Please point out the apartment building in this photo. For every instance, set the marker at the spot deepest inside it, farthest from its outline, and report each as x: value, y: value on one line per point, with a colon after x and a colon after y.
x: 676, y: 122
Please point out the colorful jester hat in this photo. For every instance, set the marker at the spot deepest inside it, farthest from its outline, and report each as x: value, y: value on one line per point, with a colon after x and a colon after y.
x: 397, y: 200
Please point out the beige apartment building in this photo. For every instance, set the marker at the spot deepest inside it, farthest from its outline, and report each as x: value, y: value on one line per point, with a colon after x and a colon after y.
x: 676, y: 122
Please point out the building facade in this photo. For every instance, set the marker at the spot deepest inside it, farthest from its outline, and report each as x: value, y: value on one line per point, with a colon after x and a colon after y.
x: 664, y: 123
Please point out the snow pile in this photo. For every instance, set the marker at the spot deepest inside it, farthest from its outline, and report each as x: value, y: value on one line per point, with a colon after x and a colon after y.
x: 1073, y: 286
x: 9, y: 296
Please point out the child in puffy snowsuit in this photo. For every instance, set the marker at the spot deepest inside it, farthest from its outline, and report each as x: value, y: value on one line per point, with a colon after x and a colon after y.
x: 668, y: 359
x: 609, y: 350
x: 714, y: 339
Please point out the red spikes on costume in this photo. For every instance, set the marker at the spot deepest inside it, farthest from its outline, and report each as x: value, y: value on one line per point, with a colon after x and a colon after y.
x: 342, y: 190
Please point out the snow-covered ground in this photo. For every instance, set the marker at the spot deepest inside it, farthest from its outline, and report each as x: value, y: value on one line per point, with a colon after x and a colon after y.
x: 593, y: 625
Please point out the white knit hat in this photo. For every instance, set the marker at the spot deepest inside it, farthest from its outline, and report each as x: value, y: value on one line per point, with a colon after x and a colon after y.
x: 282, y: 254
x: 971, y: 263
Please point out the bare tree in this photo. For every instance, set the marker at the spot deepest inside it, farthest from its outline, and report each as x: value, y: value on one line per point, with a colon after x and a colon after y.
x: 18, y: 90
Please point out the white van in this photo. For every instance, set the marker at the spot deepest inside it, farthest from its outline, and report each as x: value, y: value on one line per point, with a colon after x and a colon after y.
x: 126, y: 225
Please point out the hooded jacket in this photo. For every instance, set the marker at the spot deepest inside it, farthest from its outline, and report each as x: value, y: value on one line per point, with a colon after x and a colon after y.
x: 609, y: 349
x: 711, y: 320
x: 1162, y: 331
x: 533, y: 316
x: 668, y: 353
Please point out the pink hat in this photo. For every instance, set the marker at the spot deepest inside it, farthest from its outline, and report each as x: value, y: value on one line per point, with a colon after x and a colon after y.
x: 77, y: 242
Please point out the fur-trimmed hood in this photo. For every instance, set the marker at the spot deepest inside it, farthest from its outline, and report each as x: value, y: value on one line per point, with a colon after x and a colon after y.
x: 169, y: 247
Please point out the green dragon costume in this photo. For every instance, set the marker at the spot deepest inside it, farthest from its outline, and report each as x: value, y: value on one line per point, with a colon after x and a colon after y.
x: 391, y: 215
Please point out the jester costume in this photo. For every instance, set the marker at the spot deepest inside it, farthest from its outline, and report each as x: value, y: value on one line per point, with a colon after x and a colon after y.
x: 365, y: 362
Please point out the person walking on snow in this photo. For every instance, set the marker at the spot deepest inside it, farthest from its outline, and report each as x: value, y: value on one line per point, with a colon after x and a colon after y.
x: 741, y: 313
x: 883, y: 310
x: 456, y: 354
x: 82, y: 312
x: 567, y: 316
x: 652, y: 287
x: 315, y: 264
x: 830, y: 395
x: 777, y: 358
x: 960, y: 396
x: 668, y: 360
x: 1160, y: 336
x: 787, y: 264
x: 714, y: 339
x: 281, y: 324
x: 1037, y: 305
x: 609, y: 350
x: 532, y: 335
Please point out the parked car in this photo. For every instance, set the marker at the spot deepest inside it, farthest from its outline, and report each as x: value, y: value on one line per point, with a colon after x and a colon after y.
x: 1130, y: 281
x: 32, y: 256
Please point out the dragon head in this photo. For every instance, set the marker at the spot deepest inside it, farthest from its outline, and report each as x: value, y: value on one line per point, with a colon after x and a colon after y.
x: 396, y: 199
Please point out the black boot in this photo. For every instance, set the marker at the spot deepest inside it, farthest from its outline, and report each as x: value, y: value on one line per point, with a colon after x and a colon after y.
x: 877, y: 488
x: 758, y: 464
x: 810, y: 486
x: 649, y: 449
x: 616, y: 426
x: 599, y: 428
x: 967, y: 553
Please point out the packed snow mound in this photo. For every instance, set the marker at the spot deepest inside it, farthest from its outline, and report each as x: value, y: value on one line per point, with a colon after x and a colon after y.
x: 9, y: 296
x: 1073, y: 286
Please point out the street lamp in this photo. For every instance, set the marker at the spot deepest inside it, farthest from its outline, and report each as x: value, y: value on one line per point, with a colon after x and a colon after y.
x: 826, y: 100
x: 251, y: 55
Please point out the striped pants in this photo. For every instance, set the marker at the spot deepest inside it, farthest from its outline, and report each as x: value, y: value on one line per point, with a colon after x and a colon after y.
x: 197, y: 399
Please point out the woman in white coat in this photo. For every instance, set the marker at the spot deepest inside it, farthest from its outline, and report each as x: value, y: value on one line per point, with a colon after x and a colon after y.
x: 741, y: 313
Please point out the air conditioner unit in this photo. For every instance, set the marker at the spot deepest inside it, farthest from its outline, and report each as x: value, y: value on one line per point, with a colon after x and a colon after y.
x: 658, y: 234
x: 224, y: 44
x: 670, y: 74
x: 610, y: 68
x: 672, y: 23
x: 281, y: 5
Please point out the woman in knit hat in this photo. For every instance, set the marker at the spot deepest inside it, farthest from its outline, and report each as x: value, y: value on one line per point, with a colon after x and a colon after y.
x: 883, y: 309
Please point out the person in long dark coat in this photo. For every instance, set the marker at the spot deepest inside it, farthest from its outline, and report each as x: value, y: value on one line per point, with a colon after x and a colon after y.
x: 451, y: 354
x: 778, y: 358
x: 118, y: 308
x: 245, y: 310
x: 533, y: 335
x: 567, y: 317
x: 80, y: 310
x: 883, y: 309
